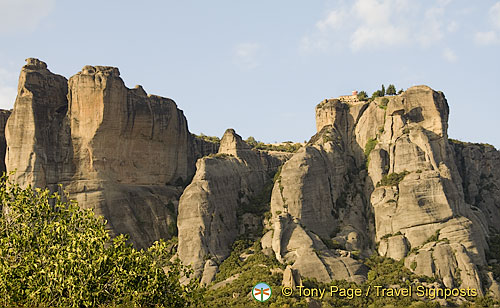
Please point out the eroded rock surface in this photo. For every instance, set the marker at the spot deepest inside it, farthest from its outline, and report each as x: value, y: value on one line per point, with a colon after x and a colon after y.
x: 414, y: 195
x: 120, y: 151
x: 379, y: 176
x: 217, y: 206
x: 4, y: 115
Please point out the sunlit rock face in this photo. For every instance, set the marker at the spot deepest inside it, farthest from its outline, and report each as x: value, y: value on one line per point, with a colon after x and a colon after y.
x: 379, y: 176
x: 120, y: 151
x: 410, y: 196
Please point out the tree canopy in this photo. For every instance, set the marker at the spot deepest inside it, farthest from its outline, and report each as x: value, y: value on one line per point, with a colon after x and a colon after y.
x: 55, y: 254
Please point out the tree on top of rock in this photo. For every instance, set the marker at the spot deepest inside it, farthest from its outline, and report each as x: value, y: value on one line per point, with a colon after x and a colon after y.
x: 391, y: 90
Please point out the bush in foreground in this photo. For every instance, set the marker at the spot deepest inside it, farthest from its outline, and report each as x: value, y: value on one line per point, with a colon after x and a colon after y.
x: 54, y: 254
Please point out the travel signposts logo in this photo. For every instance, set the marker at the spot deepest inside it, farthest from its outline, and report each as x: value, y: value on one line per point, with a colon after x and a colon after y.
x: 261, y: 292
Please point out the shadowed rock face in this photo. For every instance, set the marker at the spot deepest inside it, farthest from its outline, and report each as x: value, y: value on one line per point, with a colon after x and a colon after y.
x: 4, y: 115
x: 119, y: 151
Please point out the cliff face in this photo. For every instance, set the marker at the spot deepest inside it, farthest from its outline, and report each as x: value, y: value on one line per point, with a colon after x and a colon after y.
x: 377, y: 177
x: 217, y: 206
x: 4, y: 115
x: 413, y: 188
x: 36, y: 143
x: 119, y: 151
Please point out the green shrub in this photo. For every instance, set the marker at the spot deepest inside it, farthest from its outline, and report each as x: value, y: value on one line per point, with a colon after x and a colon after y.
x: 383, y: 103
x: 204, y: 137
x: 54, y: 254
x: 362, y: 96
x: 392, y: 179
x: 287, y: 146
x: 370, y: 145
x: 391, y: 90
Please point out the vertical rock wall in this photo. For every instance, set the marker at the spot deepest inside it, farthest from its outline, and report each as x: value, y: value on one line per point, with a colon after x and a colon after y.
x: 406, y: 196
x: 120, y: 151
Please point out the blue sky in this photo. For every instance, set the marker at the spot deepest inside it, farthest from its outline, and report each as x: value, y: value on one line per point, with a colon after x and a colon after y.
x: 260, y: 67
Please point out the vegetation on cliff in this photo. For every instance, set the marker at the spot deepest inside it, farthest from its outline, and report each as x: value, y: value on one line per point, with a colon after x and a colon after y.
x: 54, y: 254
x: 287, y: 146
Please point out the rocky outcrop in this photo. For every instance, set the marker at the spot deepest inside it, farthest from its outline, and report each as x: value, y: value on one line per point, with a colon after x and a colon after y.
x: 321, y: 220
x: 479, y: 165
x: 419, y: 197
x: 382, y: 173
x: 37, y: 144
x: 220, y: 203
x: 4, y: 115
x: 379, y: 176
x: 120, y: 151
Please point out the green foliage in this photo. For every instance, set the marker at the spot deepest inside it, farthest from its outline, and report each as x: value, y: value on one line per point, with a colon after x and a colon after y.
x: 376, y: 94
x: 251, y: 141
x: 433, y: 238
x: 287, y: 146
x: 391, y: 90
x: 362, y: 96
x: 383, y: 103
x: 204, y: 137
x: 370, y: 145
x: 255, y: 268
x: 379, y: 93
x: 54, y: 254
x: 462, y: 143
x: 259, y: 203
x: 392, y: 179
x: 400, y: 91
x: 220, y: 155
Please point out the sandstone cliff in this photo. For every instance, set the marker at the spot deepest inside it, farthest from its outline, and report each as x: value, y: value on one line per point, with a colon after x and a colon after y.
x: 4, y: 115
x: 379, y: 176
x: 410, y: 203
x: 120, y: 151
x: 219, y: 204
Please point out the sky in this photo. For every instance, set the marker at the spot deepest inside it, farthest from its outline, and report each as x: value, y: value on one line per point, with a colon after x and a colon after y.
x: 261, y: 67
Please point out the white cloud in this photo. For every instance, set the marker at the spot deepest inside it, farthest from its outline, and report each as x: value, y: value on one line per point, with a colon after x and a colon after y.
x: 7, y: 91
x: 372, y: 24
x: 449, y: 55
x: 376, y: 28
x: 384, y: 35
x: 495, y: 15
x: 452, y: 26
x: 490, y: 37
x: 246, y: 55
x: 486, y: 38
x: 333, y: 20
x: 23, y: 15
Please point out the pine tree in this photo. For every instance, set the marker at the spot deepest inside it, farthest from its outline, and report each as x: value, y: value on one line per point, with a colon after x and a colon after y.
x: 391, y: 90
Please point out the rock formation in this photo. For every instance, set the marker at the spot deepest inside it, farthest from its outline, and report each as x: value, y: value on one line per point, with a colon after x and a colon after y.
x: 218, y: 204
x: 4, y: 115
x: 413, y: 189
x: 120, y: 151
x: 379, y: 176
